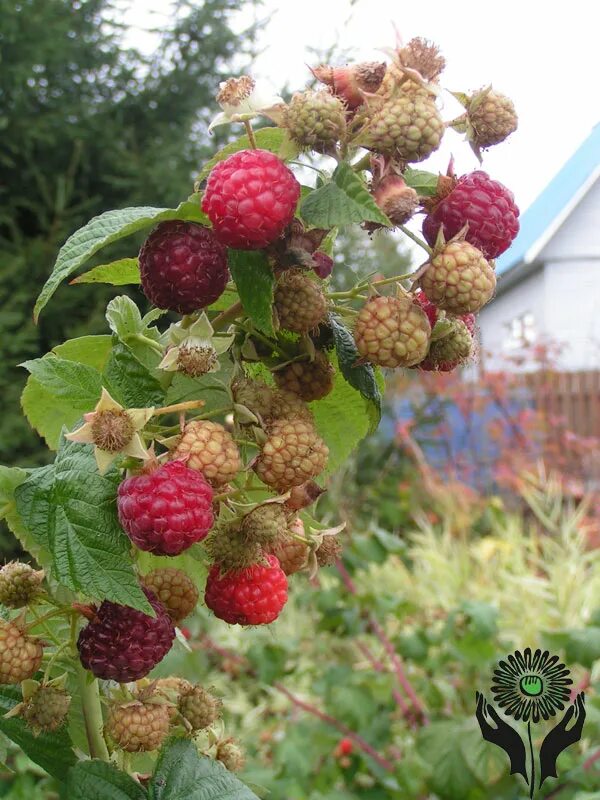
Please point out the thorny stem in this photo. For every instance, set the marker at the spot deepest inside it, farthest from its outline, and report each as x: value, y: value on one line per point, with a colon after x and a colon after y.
x: 387, y: 646
x: 358, y: 740
x: 416, y: 239
x: 250, y: 133
x: 226, y: 316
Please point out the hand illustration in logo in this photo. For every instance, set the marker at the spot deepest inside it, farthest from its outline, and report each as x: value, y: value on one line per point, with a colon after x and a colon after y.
x: 530, y: 687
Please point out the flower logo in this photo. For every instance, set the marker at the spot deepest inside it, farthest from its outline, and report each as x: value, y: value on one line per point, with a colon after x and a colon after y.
x: 530, y: 686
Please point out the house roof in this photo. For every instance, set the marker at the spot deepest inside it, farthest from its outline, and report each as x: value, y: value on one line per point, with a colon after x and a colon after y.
x: 550, y: 209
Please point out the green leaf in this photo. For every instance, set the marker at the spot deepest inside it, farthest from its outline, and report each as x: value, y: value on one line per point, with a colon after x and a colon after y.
x: 142, y: 338
x: 342, y: 418
x: 10, y: 479
x: 90, y: 350
x: 440, y: 745
x: 117, y: 273
x: 103, y: 230
x: 255, y: 282
x: 129, y: 382
x: 424, y: 183
x: 361, y: 377
x: 228, y: 298
x: 70, y: 510
x: 181, y: 774
x: 57, y: 394
x: 67, y: 380
x: 580, y: 646
x: 52, y: 751
x: 212, y: 388
x: 343, y: 201
x: 275, y: 140
x: 97, y: 780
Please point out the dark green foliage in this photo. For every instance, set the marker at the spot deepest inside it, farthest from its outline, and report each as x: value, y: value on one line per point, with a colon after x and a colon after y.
x: 88, y: 125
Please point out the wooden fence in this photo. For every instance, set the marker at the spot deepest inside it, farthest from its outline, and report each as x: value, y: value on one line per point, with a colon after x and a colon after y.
x: 572, y: 396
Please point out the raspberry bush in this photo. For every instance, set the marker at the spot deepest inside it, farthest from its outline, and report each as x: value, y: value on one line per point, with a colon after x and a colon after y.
x: 193, y: 439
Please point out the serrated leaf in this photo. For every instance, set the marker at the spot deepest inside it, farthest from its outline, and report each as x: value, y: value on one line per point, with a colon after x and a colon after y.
x: 212, y: 388
x: 440, y: 745
x: 70, y: 511
x: 129, y: 382
x: 10, y: 479
x: 46, y: 411
x: 90, y: 350
x: 182, y: 774
x: 343, y: 201
x: 424, y: 183
x: 123, y: 272
x: 57, y: 393
x: 103, y: 230
x: 275, y: 140
x: 97, y: 780
x: 255, y: 283
x: 142, y: 338
x: 342, y: 418
x: 361, y: 377
x: 52, y: 751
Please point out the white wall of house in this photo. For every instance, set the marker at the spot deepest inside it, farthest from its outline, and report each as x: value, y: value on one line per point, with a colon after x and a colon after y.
x: 559, y: 302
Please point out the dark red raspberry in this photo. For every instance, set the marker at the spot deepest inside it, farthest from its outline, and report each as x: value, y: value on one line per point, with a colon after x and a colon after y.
x: 486, y: 205
x: 183, y: 267
x: 251, y: 596
x: 168, y: 510
x: 433, y: 311
x: 122, y: 644
x: 250, y: 198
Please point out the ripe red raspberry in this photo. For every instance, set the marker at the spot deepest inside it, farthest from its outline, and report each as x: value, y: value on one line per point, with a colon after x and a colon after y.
x: 122, y: 644
x: 251, y: 596
x: 486, y: 205
x: 166, y: 511
x: 183, y: 267
x: 250, y: 198
x: 175, y: 590
x: 138, y: 727
x: 20, y: 655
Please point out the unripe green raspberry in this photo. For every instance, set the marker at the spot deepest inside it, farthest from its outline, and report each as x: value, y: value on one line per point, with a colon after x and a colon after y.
x: 199, y: 708
x: 19, y: 584
x: 407, y: 127
x: 492, y: 118
x: 452, y: 350
x: 20, y: 655
x: 264, y: 524
x: 293, y: 453
x: 300, y: 304
x: 174, y: 589
x: 392, y: 332
x: 458, y: 279
x: 138, y: 727
x: 315, y: 120
x: 268, y: 403
x: 309, y: 380
x: 46, y: 709
x: 231, y: 755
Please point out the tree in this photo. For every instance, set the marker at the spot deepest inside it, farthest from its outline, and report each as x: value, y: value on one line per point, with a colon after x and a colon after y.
x: 88, y: 124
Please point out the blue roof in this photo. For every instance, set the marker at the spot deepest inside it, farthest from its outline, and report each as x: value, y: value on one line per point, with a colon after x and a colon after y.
x: 552, y: 201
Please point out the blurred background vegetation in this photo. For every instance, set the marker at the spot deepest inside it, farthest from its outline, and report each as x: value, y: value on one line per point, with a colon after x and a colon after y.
x: 365, y: 688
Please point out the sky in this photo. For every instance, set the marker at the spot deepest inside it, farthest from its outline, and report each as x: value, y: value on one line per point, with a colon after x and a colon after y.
x: 543, y: 55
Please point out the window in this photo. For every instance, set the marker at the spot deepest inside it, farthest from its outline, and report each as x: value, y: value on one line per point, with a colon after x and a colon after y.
x: 521, y: 331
